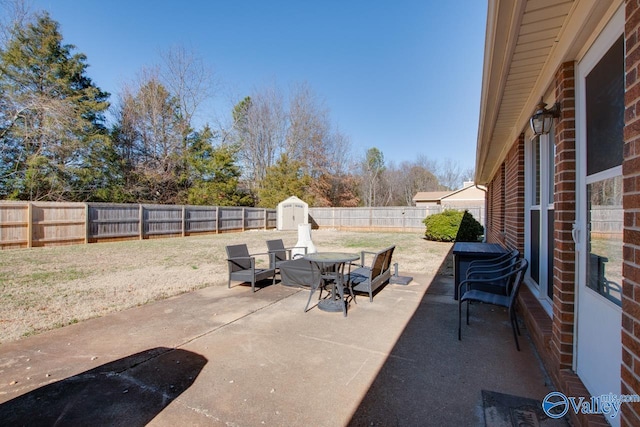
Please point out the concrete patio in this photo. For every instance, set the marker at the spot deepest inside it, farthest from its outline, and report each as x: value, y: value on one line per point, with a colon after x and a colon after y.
x: 222, y: 356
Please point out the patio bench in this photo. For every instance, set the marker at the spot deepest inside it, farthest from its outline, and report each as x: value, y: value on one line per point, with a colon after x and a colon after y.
x: 368, y: 278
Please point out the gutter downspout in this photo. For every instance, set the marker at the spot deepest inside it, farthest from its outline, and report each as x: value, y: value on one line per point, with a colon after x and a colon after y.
x: 484, y: 238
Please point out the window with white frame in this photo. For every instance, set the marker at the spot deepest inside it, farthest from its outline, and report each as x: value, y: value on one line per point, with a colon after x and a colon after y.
x: 540, y: 156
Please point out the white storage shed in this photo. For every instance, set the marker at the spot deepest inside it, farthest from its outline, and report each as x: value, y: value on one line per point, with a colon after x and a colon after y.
x: 291, y: 213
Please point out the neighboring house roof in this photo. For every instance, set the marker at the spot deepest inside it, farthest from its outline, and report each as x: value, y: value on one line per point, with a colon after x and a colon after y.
x: 430, y: 196
x: 526, y: 42
x: 468, y: 192
x: 474, y: 193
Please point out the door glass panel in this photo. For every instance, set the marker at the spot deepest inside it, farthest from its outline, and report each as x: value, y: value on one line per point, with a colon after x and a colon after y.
x: 604, y: 87
x: 605, y: 217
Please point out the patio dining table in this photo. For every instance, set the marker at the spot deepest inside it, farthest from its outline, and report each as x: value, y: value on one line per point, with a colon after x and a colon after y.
x: 331, y: 267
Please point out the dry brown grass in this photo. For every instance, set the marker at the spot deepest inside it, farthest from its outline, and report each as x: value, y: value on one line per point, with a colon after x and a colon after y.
x: 45, y: 288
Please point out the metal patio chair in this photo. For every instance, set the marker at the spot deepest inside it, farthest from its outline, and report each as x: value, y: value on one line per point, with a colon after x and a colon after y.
x: 495, y: 262
x: 495, y: 269
x: 514, y: 279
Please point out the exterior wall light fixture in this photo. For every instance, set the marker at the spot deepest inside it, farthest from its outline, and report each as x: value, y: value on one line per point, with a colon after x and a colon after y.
x: 541, y: 120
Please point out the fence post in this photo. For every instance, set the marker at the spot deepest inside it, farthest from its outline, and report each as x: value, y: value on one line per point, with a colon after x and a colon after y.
x: 217, y: 219
x: 87, y: 225
x: 184, y: 221
x: 244, y: 211
x: 264, y: 212
x: 140, y: 222
x: 29, y: 224
x: 333, y: 216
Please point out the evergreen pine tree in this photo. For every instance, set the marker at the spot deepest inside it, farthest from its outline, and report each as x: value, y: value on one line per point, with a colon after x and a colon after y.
x: 53, y: 141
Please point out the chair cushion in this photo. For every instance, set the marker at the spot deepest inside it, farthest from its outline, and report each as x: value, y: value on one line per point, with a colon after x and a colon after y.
x: 247, y: 275
x: 359, y: 275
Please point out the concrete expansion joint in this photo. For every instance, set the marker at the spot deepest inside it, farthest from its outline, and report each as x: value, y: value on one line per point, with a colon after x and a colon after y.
x: 144, y: 386
x: 224, y: 325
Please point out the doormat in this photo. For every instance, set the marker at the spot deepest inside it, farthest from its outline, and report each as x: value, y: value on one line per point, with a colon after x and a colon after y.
x: 507, y: 410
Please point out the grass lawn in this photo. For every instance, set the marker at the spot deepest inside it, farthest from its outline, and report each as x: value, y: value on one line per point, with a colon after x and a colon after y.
x: 45, y: 288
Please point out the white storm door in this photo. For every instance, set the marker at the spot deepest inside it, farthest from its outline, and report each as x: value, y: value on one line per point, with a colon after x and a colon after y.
x: 599, y: 142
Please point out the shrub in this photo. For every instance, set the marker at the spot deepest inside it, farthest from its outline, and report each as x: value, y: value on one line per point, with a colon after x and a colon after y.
x: 470, y: 229
x: 451, y: 225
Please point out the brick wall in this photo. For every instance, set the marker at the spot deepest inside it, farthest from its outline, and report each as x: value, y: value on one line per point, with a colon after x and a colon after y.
x: 514, y: 196
x: 631, y: 201
x: 509, y: 183
x: 496, y: 208
x: 565, y: 206
x: 505, y: 200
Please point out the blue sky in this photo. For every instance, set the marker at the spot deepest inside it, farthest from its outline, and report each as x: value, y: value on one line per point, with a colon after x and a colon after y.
x: 402, y: 76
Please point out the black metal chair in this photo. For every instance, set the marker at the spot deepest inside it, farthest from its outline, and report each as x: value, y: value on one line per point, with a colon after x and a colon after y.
x: 242, y: 267
x: 492, y: 260
x: 330, y: 276
x: 483, y: 265
x: 326, y: 278
x: 514, y: 280
x: 493, y: 269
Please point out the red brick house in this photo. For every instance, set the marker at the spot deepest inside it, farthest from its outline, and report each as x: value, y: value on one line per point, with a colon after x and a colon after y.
x: 569, y: 199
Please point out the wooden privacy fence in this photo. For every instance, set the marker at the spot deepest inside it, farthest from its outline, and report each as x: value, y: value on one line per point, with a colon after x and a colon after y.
x: 31, y: 224
x: 395, y: 218
x: 606, y: 220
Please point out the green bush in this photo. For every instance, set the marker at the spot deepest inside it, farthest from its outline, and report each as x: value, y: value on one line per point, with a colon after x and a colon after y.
x: 451, y: 225
x: 470, y: 229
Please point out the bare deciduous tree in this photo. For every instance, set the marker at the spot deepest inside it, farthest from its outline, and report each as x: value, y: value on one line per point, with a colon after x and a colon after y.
x: 189, y: 80
x: 264, y: 128
x: 13, y: 14
x: 150, y: 139
x: 372, y: 168
x: 260, y: 129
x: 451, y: 175
x: 324, y: 152
x: 308, y: 134
x: 401, y: 182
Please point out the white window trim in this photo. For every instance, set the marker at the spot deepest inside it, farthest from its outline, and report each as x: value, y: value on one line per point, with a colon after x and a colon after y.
x: 535, y: 288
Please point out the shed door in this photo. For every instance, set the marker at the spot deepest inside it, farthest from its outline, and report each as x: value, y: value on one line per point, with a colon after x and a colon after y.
x: 292, y: 215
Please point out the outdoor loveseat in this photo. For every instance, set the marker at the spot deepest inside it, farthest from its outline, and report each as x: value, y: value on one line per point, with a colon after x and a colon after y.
x: 369, y: 277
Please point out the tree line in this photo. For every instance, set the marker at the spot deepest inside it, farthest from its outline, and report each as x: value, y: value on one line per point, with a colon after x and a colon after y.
x: 57, y: 144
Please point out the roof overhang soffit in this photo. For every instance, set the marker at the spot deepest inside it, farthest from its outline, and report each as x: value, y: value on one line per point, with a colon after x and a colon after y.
x: 526, y: 42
